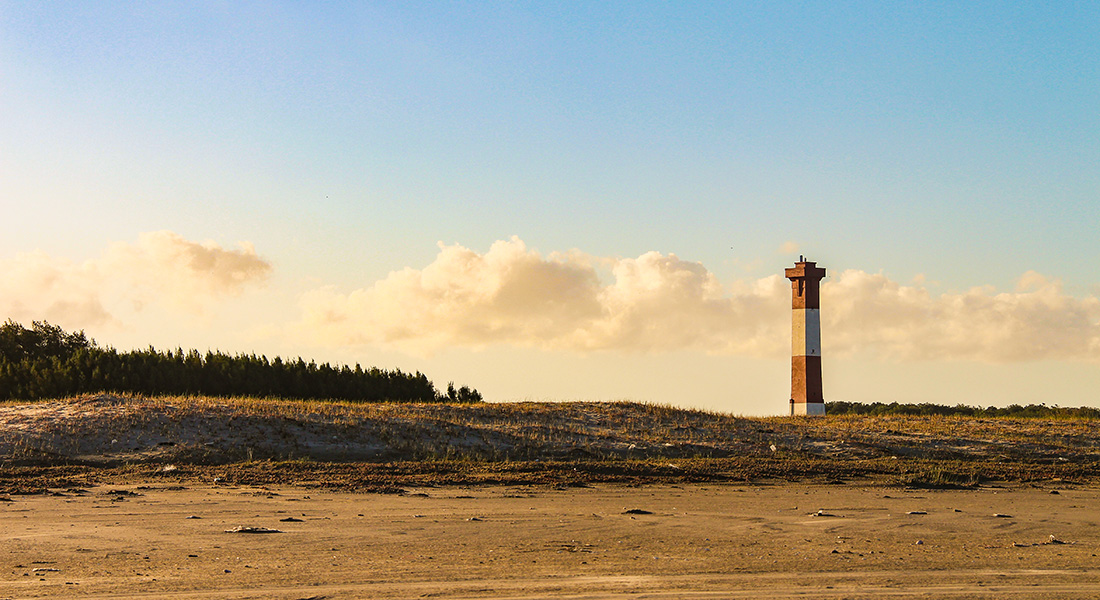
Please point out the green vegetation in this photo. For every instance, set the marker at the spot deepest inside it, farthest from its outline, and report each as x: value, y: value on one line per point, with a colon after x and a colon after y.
x: 47, y: 362
x: 1035, y: 411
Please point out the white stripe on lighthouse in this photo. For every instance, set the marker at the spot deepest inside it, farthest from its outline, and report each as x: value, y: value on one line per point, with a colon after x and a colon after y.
x: 806, y: 332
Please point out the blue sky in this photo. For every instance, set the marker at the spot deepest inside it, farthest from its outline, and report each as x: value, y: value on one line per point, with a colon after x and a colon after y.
x: 941, y: 146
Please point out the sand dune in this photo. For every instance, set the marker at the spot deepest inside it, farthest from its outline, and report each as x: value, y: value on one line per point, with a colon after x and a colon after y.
x: 107, y: 428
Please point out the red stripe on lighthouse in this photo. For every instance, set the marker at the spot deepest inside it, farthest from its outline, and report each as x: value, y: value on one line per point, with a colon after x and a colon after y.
x: 806, y: 379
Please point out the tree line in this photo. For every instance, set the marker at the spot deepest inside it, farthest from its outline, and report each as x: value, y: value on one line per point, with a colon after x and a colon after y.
x: 1039, y: 411
x: 47, y: 362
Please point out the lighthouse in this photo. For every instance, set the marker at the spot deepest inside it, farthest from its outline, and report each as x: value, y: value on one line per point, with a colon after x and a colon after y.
x: 806, y: 398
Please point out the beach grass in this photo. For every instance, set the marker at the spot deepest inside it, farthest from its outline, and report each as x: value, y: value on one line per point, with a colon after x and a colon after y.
x: 596, y: 440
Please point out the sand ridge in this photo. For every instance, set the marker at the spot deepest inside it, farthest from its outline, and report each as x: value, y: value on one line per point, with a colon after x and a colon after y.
x: 114, y: 429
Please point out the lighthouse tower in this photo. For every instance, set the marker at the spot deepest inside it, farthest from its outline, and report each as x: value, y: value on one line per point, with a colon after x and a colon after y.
x: 806, y: 398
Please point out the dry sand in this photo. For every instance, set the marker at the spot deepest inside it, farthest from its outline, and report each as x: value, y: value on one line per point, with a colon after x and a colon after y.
x: 699, y: 541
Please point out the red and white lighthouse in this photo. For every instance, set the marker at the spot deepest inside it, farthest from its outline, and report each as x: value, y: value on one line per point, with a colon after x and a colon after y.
x: 806, y: 397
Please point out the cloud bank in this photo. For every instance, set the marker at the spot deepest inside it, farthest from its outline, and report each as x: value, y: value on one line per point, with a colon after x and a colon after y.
x: 512, y: 295
x: 161, y: 268
x: 1037, y: 321
x: 572, y: 301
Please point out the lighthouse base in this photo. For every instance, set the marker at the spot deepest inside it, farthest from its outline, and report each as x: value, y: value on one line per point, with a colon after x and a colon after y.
x: 808, y: 408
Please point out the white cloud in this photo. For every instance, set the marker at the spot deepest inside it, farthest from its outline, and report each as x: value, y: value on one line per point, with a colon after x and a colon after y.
x: 163, y: 266
x: 512, y: 295
x: 36, y: 286
x: 863, y: 311
x: 160, y: 268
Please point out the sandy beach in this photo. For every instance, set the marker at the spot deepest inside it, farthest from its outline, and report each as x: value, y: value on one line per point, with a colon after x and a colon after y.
x: 605, y: 541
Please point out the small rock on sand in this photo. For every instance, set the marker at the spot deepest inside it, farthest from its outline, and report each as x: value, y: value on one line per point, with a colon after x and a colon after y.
x: 244, y: 529
x: 1002, y: 516
x: 637, y: 511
